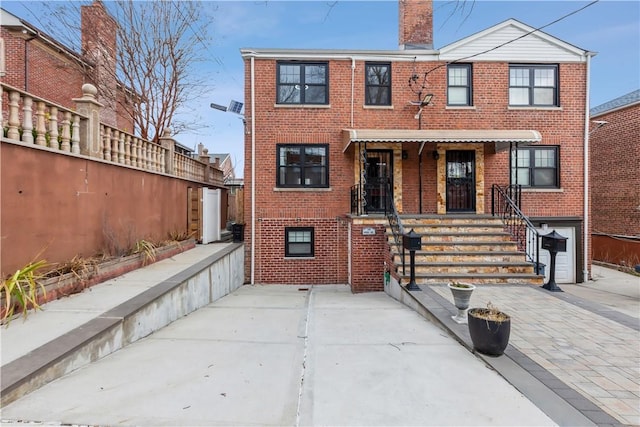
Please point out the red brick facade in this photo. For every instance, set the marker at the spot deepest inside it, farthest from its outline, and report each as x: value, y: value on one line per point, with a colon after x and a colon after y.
x: 615, y: 181
x: 343, y: 253
x: 615, y: 174
x: 41, y: 66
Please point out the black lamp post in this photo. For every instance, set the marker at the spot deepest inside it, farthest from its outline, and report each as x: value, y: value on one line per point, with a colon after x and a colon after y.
x: 554, y: 243
x: 412, y: 242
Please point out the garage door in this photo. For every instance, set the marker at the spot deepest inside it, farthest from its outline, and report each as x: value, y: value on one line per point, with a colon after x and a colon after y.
x: 565, y: 261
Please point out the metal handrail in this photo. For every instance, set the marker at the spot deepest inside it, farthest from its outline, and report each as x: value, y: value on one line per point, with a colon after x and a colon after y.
x: 395, y: 223
x: 505, y: 204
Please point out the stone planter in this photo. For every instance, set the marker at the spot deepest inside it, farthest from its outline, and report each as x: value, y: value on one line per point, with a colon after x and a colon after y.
x: 98, y: 272
x: 461, y: 296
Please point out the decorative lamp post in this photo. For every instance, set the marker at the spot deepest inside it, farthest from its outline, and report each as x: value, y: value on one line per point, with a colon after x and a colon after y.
x: 412, y: 241
x: 554, y: 243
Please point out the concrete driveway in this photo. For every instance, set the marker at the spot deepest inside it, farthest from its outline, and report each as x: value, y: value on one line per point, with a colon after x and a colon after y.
x: 286, y: 355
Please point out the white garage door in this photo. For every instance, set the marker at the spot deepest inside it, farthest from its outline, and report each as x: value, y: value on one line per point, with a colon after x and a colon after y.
x: 565, y: 261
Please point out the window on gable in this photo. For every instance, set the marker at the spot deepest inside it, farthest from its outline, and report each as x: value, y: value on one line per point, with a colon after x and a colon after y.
x: 298, y: 241
x: 533, y: 85
x: 459, y: 84
x: 302, y: 83
x: 303, y: 166
x: 535, y: 167
x: 377, y: 84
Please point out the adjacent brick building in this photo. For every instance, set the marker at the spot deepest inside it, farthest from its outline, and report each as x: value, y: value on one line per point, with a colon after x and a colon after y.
x: 440, y: 126
x: 37, y: 63
x: 615, y: 180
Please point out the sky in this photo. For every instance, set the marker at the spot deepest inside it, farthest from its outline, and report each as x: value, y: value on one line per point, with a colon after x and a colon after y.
x: 610, y: 28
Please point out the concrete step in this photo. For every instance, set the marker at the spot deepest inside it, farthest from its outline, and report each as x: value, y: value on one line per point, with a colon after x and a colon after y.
x: 472, y: 268
x: 476, y: 279
x: 440, y: 246
x: 467, y: 247
x: 466, y: 257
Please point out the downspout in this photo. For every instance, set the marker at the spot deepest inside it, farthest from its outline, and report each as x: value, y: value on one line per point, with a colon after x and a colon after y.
x: 586, y: 238
x: 353, y: 72
x: 253, y: 171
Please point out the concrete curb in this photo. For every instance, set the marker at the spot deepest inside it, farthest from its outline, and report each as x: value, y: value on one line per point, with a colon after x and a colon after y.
x: 555, y: 398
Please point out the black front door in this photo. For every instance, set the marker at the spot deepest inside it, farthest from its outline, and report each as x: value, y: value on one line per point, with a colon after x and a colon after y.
x: 379, y: 171
x: 461, y: 181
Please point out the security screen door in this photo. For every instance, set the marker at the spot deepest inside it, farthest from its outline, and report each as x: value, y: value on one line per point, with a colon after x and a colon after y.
x: 379, y: 172
x: 461, y: 181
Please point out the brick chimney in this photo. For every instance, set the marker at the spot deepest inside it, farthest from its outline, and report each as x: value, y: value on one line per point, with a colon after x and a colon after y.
x: 98, y: 30
x: 416, y: 24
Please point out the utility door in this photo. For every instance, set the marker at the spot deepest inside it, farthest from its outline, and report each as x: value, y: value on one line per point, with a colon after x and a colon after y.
x: 461, y: 181
x: 204, y: 214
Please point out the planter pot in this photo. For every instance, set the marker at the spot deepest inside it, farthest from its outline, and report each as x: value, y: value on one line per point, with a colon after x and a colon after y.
x: 488, y: 335
x: 461, y: 295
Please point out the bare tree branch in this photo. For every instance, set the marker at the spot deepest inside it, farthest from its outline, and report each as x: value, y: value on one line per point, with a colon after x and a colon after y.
x: 160, y: 45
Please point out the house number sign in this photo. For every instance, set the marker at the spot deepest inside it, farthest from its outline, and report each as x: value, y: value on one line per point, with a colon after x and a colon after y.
x: 368, y: 231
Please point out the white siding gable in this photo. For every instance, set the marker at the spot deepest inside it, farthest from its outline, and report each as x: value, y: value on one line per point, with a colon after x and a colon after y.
x: 535, y: 47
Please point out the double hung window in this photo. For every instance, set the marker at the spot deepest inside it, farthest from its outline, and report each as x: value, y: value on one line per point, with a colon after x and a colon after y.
x: 378, y: 83
x: 533, y: 85
x: 535, y: 167
x: 459, y: 85
x: 302, y: 83
x: 302, y: 165
x: 298, y: 241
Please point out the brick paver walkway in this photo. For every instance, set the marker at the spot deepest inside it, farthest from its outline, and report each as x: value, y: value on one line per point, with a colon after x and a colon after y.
x: 595, y: 352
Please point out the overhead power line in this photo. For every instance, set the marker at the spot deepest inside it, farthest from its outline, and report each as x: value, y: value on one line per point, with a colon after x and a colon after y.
x: 413, y: 78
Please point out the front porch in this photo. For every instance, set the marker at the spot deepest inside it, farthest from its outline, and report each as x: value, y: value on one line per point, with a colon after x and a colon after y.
x: 456, y: 247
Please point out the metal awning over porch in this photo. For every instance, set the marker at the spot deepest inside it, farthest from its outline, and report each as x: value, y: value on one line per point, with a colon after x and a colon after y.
x: 440, y: 135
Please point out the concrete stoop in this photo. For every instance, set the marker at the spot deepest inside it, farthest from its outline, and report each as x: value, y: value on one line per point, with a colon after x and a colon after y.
x: 192, y: 288
x: 466, y: 248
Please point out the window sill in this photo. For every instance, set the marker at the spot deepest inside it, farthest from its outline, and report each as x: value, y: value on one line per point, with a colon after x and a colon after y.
x: 460, y: 107
x: 320, y: 106
x: 533, y: 107
x: 299, y: 258
x: 377, y: 107
x: 542, y: 190
x: 302, y: 190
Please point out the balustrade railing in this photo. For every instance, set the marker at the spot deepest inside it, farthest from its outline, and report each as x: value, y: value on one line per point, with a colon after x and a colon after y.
x: 34, y: 121
x: 505, y: 204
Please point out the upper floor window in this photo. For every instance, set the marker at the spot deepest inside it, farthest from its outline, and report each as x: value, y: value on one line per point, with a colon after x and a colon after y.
x: 302, y: 83
x: 535, y: 167
x: 377, y: 84
x: 459, y: 84
x: 303, y: 166
x: 533, y: 85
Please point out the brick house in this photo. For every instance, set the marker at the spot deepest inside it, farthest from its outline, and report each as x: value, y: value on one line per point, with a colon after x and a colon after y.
x: 615, y: 180
x: 336, y: 139
x: 35, y: 62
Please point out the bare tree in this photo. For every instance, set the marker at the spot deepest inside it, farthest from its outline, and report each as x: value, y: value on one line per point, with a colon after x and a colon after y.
x: 160, y: 45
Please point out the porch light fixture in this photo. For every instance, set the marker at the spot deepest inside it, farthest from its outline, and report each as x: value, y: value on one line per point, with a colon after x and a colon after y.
x: 435, y: 155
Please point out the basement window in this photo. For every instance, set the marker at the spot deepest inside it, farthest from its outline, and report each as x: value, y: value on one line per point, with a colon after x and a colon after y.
x: 299, y: 241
